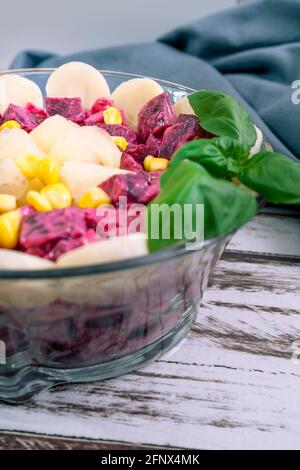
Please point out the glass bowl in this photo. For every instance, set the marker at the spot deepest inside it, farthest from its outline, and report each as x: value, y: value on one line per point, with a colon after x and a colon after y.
x: 95, y: 322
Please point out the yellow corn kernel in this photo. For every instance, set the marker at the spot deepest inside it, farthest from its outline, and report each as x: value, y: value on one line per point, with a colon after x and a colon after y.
x: 33, y: 185
x: 29, y: 165
x: 10, y: 125
x: 120, y: 142
x: 112, y: 116
x: 38, y: 201
x: 58, y: 195
x: 94, y: 197
x: 10, y: 224
x: 48, y: 170
x: 7, y: 203
x: 155, y: 163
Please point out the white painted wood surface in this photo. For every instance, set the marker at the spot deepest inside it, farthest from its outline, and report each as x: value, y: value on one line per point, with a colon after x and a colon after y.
x: 230, y: 385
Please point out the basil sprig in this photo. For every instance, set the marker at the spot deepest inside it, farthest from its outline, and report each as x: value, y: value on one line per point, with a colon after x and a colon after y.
x: 201, y: 172
x: 226, y: 206
x: 223, y: 116
x: 274, y: 176
x: 221, y: 156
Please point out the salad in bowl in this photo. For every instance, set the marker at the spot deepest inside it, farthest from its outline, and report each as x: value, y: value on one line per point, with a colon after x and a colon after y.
x: 118, y: 194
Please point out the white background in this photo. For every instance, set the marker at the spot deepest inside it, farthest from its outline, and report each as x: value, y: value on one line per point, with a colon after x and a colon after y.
x: 65, y: 26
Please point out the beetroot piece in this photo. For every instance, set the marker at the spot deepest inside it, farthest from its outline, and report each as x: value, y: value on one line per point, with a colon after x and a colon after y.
x: 120, y: 131
x: 70, y: 108
x: 154, y: 177
x: 185, y: 128
x: 27, y: 120
x: 110, y: 222
x: 51, y: 234
x: 64, y: 246
x: 129, y: 163
x: 42, y: 228
x: 155, y: 117
x: 94, y: 119
x: 154, y: 145
x: 138, y: 152
x: 27, y: 210
x: 101, y: 104
x: 135, y: 187
x: 35, y: 110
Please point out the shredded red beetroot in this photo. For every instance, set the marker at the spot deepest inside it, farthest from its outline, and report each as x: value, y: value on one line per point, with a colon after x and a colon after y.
x: 27, y: 210
x: 111, y: 222
x: 129, y: 163
x: 138, y: 152
x: 70, y: 108
x: 51, y: 234
x: 35, y: 110
x: 94, y: 119
x: 101, y: 104
x: 185, y: 128
x: 153, y: 145
x: 154, y: 177
x: 40, y: 228
x: 26, y: 118
x: 64, y: 246
x: 155, y: 117
x: 120, y: 131
x: 135, y: 187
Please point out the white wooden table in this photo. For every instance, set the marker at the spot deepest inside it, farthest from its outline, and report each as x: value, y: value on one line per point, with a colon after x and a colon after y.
x: 232, y: 384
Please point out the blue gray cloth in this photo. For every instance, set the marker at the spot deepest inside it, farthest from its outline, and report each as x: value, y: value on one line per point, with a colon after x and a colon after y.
x: 251, y: 51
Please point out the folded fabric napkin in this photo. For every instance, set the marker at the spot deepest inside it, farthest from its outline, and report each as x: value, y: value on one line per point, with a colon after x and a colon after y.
x: 251, y: 51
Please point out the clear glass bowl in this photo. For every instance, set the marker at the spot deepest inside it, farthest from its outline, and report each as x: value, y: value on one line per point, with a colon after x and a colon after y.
x: 96, y: 322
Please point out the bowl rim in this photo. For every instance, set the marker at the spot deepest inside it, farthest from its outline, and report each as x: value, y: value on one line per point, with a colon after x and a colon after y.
x: 130, y: 263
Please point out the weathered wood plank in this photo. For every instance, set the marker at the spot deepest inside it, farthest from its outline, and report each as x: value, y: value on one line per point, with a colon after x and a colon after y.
x: 25, y: 441
x: 269, y: 234
x: 198, y: 407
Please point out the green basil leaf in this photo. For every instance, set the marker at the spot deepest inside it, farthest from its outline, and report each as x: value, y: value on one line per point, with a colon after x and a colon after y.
x: 226, y: 206
x: 221, y: 156
x: 222, y: 115
x: 274, y: 176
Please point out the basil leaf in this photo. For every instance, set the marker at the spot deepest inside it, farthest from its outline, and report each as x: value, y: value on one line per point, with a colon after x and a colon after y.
x: 226, y: 206
x: 221, y: 156
x: 222, y: 115
x: 274, y: 176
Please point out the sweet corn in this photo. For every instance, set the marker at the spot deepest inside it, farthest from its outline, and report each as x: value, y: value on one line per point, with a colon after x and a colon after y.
x: 38, y: 201
x: 10, y: 224
x: 48, y: 170
x: 29, y: 165
x: 7, y: 203
x: 10, y: 125
x: 155, y: 163
x: 33, y: 185
x: 94, y: 197
x: 112, y: 116
x: 120, y: 142
x: 58, y: 195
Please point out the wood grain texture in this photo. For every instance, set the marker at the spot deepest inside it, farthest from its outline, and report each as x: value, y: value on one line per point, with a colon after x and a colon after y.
x: 25, y: 441
x: 231, y: 384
